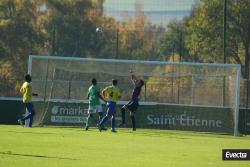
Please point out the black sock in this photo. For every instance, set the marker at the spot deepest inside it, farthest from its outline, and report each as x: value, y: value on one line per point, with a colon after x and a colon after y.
x: 100, y: 116
x: 133, y: 121
x: 123, y: 115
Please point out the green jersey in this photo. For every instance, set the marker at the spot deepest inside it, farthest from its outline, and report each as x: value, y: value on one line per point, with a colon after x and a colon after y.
x: 93, y: 95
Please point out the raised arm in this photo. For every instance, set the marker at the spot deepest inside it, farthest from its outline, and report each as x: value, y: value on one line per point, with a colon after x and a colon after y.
x: 133, y: 79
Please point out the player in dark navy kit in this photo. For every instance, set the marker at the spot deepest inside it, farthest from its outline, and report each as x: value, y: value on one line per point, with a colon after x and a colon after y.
x: 133, y: 103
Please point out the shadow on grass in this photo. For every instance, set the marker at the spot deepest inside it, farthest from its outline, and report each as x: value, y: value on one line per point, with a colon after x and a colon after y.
x: 35, y: 156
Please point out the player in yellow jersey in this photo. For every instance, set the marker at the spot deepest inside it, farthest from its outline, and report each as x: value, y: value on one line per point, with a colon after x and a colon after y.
x: 111, y: 94
x: 26, y: 90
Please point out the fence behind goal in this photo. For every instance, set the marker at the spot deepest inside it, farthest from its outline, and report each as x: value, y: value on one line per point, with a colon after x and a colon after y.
x: 185, y: 96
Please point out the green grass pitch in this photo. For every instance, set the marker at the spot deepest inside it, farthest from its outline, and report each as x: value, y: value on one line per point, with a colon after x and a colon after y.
x: 75, y: 147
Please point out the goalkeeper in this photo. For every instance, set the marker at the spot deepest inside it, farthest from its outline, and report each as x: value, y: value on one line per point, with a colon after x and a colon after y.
x: 95, y: 106
x: 133, y: 104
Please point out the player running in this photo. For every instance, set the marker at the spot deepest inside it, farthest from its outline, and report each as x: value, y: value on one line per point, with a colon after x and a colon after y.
x: 133, y: 104
x: 111, y: 94
x: 94, y: 96
x: 26, y: 90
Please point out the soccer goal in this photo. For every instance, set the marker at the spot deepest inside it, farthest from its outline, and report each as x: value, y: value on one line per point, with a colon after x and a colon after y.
x: 176, y: 95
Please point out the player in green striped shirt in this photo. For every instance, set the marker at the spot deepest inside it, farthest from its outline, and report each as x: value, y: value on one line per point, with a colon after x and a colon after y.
x: 95, y: 106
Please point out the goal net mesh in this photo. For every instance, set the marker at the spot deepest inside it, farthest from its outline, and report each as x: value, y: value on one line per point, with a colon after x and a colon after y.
x: 66, y: 80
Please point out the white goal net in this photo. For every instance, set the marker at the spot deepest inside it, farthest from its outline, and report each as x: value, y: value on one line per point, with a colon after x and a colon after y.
x: 66, y: 80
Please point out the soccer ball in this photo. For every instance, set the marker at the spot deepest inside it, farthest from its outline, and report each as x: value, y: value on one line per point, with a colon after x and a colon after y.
x: 99, y: 30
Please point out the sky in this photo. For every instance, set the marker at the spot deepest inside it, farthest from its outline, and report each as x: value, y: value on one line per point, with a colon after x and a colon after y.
x: 158, y: 11
x: 149, y: 5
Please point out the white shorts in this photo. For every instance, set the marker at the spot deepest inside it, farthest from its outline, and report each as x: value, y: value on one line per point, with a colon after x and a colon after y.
x: 95, y: 109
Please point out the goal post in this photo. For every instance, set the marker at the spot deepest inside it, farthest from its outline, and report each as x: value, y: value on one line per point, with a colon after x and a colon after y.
x: 198, y: 85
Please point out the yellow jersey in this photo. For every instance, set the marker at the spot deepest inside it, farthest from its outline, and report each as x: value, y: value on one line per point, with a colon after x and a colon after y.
x: 111, y: 93
x: 27, y: 92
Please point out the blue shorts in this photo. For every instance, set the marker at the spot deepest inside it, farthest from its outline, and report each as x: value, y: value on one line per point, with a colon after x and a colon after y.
x: 111, y: 108
x: 30, y: 108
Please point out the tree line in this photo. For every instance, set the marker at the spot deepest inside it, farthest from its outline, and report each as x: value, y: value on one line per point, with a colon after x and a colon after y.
x: 68, y: 28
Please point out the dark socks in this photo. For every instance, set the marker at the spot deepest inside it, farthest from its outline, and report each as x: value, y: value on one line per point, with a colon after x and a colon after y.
x: 100, y: 116
x: 133, y: 121
x: 123, y: 115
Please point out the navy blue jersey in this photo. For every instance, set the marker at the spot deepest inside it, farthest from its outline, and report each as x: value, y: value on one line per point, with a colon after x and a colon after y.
x: 136, y: 93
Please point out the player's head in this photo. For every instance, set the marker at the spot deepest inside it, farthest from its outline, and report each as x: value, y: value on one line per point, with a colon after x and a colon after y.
x: 27, y: 78
x: 114, y: 82
x: 139, y: 83
x: 93, y: 81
